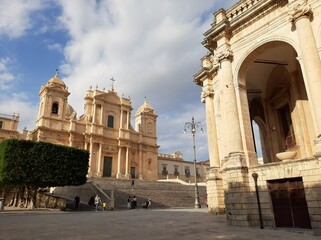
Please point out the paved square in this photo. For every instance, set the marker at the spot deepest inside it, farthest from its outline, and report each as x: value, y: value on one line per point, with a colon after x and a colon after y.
x: 187, y: 224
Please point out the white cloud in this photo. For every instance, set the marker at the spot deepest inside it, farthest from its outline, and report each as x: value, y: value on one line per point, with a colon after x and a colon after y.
x: 55, y: 46
x: 152, y: 48
x: 16, y: 16
x: 6, y: 77
x: 22, y: 105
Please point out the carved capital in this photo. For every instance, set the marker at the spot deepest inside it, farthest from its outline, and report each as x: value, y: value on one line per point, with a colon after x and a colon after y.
x: 206, y: 93
x: 299, y: 9
x: 224, y: 54
x: 209, y: 62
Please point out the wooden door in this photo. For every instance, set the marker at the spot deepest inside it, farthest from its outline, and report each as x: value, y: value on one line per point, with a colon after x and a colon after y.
x: 107, y: 166
x: 289, y: 203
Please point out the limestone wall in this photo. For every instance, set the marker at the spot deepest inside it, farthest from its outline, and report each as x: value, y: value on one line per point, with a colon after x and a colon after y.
x: 240, y: 195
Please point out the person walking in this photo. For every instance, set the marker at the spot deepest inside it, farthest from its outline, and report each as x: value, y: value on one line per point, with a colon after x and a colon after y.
x: 129, y: 203
x: 134, y: 202
x: 77, y: 201
x: 149, y: 201
x: 97, y: 202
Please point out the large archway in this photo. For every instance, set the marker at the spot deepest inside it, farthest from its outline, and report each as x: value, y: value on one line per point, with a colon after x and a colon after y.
x: 277, y: 100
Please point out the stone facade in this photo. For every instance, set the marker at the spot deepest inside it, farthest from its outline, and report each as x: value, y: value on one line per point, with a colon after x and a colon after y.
x: 173, y: 166
x: 9, y: 126
x: 263, y: 70
x: 116, y: 149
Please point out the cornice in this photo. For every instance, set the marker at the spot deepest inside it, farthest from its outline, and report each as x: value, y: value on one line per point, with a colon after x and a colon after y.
x: 210, y: 67
x: 240, y: 16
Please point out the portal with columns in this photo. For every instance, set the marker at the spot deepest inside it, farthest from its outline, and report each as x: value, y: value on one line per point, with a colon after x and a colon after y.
x: 261, y: 85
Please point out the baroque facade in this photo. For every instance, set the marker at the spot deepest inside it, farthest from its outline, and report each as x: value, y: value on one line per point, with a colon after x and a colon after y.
x: 262, y: 76
x: 116, y: 149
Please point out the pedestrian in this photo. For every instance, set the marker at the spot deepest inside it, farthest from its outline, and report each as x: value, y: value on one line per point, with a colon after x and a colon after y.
x: 129, y: 203
x: 134, y: 202
x: 77, y: 201
x: 91, y: 201
x: 104, y: 206
x: 133, y: 184
x: 149, y: 200
x: 148, y: 203
x: 97, y: 202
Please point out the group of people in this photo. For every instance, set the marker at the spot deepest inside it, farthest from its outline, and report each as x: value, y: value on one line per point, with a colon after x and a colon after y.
x: 96, y: 202
x: 132, y: 203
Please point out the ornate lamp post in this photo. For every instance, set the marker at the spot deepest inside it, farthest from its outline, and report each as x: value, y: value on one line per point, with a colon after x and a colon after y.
x: 192, y: 126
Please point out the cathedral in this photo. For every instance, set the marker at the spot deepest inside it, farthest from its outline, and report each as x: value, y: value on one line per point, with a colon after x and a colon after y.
x: 116, y: 148
x: 262, y: 76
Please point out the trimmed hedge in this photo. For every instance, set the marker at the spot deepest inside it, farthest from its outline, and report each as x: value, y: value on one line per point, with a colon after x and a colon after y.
x: 40, y: 164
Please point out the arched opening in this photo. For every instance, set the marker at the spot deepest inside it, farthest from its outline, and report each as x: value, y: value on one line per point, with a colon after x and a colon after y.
x: 277, y: 100
x: 55, y: 108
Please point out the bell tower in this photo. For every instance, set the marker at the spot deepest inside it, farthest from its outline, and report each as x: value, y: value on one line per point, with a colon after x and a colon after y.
x: 145, y: 123
x: 53, y: 103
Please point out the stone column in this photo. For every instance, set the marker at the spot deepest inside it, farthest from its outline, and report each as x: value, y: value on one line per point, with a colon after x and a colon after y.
x: 214, y: 183
x: 99, y: 174
x: 91, y: 157
x: 128, y: 120
x: 127, y: 163
x: 234, y: 167
x: 208, y: 99
x: 140, y: 156
x: 121, y: 120
x: 118, y: 175
x: 233, y: 130
x: 102, y: 116
x: 95, y: 117
x: 300, y: 14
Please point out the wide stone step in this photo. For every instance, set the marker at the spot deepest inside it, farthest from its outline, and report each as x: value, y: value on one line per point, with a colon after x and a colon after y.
x: 162, y: 194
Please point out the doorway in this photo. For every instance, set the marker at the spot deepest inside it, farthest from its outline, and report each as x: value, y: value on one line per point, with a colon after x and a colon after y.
x: 289, y: 203
x: 132, y: 172
x: 107, y: 166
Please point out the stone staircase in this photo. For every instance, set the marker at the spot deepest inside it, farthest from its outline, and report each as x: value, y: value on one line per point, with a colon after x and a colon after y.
x: 162, y: 194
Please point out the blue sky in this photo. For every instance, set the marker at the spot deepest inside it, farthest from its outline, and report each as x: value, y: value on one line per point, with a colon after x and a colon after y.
x: 152, y: 48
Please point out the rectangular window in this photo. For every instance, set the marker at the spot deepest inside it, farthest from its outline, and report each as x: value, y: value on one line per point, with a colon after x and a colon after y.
x: 187, y: 172
x: 176, y: 172
x: 110, y: 122
x: 164, y: 172
x: 1, y: 123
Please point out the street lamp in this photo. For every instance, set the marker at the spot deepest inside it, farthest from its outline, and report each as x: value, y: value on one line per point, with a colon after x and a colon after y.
x: 192, y: 126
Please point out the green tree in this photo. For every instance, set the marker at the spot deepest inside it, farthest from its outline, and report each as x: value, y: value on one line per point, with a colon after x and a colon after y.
x: 33, y: 165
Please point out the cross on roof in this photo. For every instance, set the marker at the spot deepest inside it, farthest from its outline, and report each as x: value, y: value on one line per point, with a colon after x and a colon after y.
x: 112, y: 83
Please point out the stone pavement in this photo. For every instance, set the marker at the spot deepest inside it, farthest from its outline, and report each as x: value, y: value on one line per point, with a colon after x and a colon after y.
x: 155, y: 224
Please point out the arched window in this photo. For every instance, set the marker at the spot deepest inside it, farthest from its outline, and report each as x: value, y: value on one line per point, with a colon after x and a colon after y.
x: 110, y: 121
x: 54, y: 108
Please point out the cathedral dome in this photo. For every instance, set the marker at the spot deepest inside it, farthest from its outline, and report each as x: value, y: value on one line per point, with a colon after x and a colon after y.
x: 145, y: 108
x: 56, y: 81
